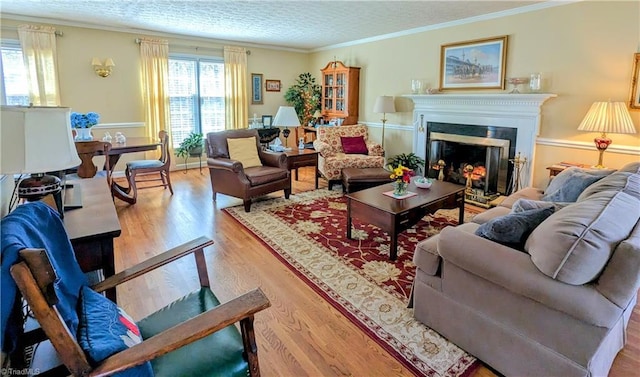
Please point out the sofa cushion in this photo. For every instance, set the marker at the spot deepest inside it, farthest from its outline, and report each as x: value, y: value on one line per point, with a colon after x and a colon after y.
x: 105, y: 329
x: 632, y: 167
x: 513, y: 229
x: 615, y: 181
x: 426, y: 256
x: 526, y: 193
x: 353, y: 144
x: 491, y: 213
x: 244, y: 150
x: 620, y: 281
x: 527, y: 204
x: 569, y: 184
x: 573, y: 245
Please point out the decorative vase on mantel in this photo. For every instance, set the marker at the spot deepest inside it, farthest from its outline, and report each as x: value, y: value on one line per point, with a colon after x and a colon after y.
x: 83, y: 134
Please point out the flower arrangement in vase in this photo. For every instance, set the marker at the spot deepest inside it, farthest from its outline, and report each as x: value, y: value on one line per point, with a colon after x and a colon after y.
x: 82, y: 123
x: 402, y: 176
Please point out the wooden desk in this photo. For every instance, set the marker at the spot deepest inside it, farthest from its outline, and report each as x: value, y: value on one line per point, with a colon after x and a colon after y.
x: 93, y: 227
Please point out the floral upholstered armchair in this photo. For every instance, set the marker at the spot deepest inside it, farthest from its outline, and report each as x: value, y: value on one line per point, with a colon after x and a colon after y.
x: 332, y: 156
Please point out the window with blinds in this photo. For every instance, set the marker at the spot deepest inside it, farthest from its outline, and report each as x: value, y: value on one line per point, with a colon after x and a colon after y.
x: 196, y: 94
x: 14, y: 87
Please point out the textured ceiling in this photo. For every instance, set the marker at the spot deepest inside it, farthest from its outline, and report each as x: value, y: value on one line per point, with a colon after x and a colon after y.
x: 302, y: 25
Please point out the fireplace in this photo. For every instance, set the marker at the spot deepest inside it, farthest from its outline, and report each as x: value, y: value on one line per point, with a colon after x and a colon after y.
x: 472, y: 155
x: 485, y: 115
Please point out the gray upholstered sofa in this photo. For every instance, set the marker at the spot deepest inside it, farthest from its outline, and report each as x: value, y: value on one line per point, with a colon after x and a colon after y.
x: 560, y: 306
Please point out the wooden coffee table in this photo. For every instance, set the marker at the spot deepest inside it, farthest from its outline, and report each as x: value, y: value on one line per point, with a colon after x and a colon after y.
x: 397, y: 215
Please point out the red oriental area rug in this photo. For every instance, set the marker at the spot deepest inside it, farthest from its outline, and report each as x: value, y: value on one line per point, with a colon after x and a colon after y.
x: 308, y: 234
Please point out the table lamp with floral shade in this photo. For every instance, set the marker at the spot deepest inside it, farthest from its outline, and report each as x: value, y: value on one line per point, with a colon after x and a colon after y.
x: 607, y: 117
x: 82, y: 124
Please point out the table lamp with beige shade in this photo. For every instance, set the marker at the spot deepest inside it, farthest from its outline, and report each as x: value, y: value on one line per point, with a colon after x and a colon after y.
x: 384, y: 105
x: 286, y: 117
x: 607, y: 117
x: 37, y: 141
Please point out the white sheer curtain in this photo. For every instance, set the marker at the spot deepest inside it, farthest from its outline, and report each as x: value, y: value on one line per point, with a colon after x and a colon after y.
x: 235, y: 88
x: 155, y: 84
x: 41, y: 61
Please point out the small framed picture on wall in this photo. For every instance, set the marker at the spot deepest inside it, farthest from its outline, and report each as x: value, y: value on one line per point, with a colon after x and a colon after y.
x: 256, y: 89
x: 272, y: 85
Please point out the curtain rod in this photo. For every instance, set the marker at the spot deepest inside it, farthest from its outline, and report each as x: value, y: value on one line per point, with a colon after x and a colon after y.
x: 14, y: 28
x: 138, y: 40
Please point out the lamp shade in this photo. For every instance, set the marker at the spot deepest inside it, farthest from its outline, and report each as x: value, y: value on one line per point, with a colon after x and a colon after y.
x: 36, y: 140
x: 317, y: 114
x: 608, y: 117
x: 384, y: 104
x: 286, y: 117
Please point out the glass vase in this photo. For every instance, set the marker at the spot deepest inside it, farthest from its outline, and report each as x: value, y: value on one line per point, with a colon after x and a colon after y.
x: 83, y: 134
x: 400, y: 188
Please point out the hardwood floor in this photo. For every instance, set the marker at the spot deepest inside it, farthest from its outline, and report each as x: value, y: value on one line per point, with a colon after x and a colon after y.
x: 300, y: 334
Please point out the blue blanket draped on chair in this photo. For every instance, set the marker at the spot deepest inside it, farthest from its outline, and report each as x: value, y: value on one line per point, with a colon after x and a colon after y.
x: 37, y: 226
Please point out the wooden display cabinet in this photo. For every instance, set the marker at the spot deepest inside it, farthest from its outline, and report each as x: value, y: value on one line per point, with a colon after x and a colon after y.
x: 340, y: 92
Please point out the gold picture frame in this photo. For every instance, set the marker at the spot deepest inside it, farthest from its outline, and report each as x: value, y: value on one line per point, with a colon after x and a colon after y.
x: 475, y: 64
x: 634, y: 93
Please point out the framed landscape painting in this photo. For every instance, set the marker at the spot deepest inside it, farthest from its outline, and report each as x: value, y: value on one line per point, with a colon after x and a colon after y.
x: 477, y: 64
x: 256, y: 88
x: 634, y: 97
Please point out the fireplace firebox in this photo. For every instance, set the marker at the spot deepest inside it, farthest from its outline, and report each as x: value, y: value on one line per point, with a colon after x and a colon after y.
x: 472, y: 155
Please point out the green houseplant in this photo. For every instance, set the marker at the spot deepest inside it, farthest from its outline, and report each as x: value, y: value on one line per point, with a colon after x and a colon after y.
x: 304, y: 96
x: 409, y: 160
x: 191, y: 146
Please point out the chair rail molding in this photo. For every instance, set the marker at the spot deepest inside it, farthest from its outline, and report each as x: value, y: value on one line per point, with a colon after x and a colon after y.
x: 563, y: 143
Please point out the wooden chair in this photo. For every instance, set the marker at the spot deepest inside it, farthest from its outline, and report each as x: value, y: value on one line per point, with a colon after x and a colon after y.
x: 35, y: 276
x: 151, y: 167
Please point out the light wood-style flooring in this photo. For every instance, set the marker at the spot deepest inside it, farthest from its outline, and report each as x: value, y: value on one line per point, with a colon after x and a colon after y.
x: 300, y: 334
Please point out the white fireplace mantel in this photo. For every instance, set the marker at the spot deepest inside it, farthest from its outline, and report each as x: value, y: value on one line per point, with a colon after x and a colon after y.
x: 519, y: 111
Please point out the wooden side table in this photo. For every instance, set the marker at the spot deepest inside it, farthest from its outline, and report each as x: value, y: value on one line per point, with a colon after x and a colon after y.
x: 555, y: 169
x: 298, y: 158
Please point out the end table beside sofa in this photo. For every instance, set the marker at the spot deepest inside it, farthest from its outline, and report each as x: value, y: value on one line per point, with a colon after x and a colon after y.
x: 559, y: 306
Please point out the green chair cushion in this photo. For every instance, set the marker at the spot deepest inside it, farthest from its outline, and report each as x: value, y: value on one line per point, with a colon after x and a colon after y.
x: 219, y: 354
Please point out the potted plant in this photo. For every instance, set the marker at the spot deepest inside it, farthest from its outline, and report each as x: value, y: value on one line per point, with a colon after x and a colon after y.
x: 409, y: 160
x: 304, y: 96
x: 191, y: 146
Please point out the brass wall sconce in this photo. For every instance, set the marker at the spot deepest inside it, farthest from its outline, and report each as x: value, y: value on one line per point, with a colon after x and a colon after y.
x: 102, y: 70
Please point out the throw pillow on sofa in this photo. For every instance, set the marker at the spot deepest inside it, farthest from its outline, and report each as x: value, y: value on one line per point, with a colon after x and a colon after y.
x: 353, y: 145
x: 513, y: 229
x: 569, y: 184
x: 527, y: 204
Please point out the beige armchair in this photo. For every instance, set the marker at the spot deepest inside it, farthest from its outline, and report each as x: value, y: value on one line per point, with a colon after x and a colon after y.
x: 332, y: 158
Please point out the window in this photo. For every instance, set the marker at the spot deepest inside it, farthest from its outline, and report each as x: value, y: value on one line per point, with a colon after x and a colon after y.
x: 14, y: 87
x: 196, y: 96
